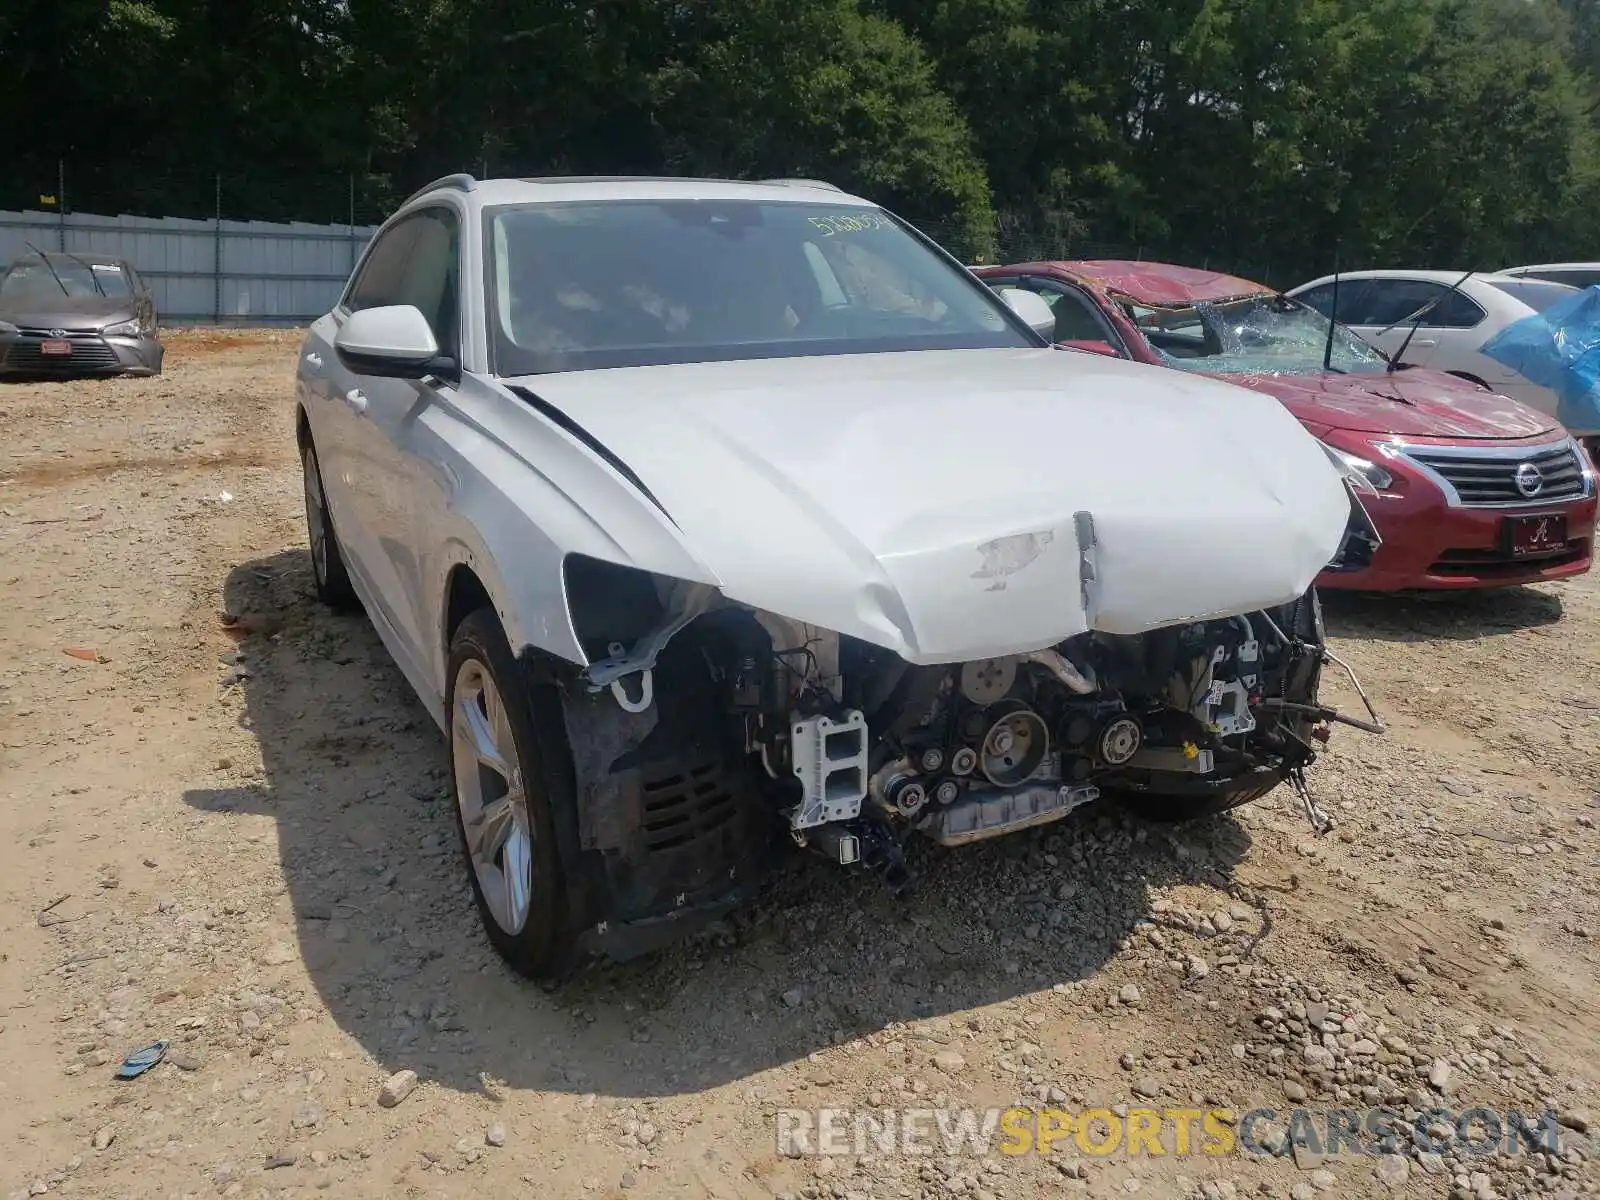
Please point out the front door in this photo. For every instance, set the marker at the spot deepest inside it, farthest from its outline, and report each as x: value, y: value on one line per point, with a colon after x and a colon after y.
x: 379, y: 469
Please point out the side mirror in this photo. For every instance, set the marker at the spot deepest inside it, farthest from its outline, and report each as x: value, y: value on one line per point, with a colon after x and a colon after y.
x: 392, y: 342
x: 1091, y: 346
x: 1032, y: 308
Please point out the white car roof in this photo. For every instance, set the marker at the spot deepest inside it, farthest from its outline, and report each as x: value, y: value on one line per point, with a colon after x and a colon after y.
x: 588, y: 188
x: 1444, y: 277
x: 1566, y: 266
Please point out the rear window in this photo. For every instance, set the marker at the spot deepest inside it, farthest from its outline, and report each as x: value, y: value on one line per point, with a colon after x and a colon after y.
x: 1537, y: 294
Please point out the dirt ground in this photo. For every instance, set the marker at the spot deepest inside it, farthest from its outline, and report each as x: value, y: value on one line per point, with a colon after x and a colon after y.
x: 241, y: 842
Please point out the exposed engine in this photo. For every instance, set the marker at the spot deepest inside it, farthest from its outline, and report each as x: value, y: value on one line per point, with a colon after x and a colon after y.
x: 860, y: 748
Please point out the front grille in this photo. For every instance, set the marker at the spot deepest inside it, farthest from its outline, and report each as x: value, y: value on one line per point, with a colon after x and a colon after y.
x: 685, y: 806
x: 88, y: 354
x: 1489, y: 477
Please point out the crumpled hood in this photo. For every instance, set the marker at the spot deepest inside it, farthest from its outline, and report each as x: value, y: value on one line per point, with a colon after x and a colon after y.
x: 74, y: 314
x: 1429, y: 404
x: 926, y: 501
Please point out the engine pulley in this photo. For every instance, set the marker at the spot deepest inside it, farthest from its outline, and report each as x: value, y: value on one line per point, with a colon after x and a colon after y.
x: 1015, y: 744
x: 1120, y: 739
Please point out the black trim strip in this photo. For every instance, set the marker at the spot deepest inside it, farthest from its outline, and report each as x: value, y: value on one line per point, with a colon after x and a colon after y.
x: 556, y: 417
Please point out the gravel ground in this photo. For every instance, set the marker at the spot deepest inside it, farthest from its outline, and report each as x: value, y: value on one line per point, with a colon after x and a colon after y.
x: 238, y: 840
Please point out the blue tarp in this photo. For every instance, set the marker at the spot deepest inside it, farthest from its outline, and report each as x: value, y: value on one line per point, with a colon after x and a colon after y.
x: 1559, y: 348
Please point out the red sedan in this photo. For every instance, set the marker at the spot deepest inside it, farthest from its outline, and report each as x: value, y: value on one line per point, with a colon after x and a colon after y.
x: 1468, y: 488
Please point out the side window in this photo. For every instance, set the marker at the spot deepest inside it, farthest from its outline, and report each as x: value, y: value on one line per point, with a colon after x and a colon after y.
x: 1352, y: 300
x: 382, y: 275
x: 416, y: 262
x: 1455, y: 311
x: 1076, y: 317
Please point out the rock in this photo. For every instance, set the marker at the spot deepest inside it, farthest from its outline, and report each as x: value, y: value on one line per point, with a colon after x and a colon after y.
x: 1324, y: 1180
x: 1576, y: 1119
x: 495, y: 1135
x: 103, y: 1137
x: 646, y: 1133
x: 1316, y: 1014
x: 793, y: 997
x: 1455, y: 786
x: 949, y: 1061
x: 1237, y: 1050
x: 277, y: 955
x: 308, y: 1115
x: 1129, y: 994
x: 276, y: 1161
x: 1305, y: 1158
x: 396, y: 1088
x: 1222, y: 920
x: 1198, y: 967
x: 1392, y: 1170
x: 1146, y: 1087
x: 1294, y: 1092
x: 630, y: 1179
x: 1432, y: 1162
x: 1440, y: 1076
x: 187, y: 1060
x: 1302, y: 1191
x: 1126, y: 1061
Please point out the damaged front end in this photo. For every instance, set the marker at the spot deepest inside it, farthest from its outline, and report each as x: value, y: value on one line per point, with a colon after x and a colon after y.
x: 704, y: 731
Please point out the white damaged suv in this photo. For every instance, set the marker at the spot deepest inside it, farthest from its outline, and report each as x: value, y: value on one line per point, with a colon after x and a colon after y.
x: 709, y: 518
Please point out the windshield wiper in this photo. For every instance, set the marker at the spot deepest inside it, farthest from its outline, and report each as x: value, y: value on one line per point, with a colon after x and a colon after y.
x: 49, y: 267
x: 93, y: 278
x: 1394, y: 363
x: 1333, y: 317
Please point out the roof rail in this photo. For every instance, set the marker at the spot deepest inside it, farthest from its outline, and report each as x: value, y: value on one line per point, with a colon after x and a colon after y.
x: 814, y: 183
x: 461, y: 183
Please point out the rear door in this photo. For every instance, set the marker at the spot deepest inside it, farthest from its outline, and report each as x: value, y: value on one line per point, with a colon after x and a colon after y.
x: 1449, y: 331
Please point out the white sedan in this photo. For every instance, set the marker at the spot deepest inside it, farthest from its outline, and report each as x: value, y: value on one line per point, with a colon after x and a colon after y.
x: 710, y: 518
x: 1382, y: 307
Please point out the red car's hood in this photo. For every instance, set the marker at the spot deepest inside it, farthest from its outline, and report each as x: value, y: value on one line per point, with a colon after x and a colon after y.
x: 1429, y: 404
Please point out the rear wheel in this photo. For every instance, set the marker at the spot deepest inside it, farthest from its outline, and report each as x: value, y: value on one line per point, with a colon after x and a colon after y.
x: 327, y: 564
x: 499, y: 751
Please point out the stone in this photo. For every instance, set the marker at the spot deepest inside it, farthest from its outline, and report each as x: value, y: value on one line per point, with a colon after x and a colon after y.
x: 1302, y: 1191
x: 278, y: 954
x: 495, y: 1135
x: 1324, y: 1180
x: 1129, y: 994
x: 187, y: 1060
x: 308, y: 1115
x: 396, y: 1088
x: 1577, y: 1119
x: 1146, y: 1087
x: 792, y: 997
x: 103, y: 1137
x: 1392, y: 1170
x: 1440, y: 1076
x: 949, y: 1061
x: 1294, y: 1092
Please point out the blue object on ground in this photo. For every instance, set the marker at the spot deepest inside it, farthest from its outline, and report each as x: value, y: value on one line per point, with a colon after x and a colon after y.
x: 141, y: 1060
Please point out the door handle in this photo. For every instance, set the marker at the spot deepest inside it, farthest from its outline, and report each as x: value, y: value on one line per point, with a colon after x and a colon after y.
x: 314, y: 359
x: 356, y: 399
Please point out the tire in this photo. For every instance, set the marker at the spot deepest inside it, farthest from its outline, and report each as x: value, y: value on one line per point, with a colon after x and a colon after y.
x: 327, y: 563
x: 504, y: 741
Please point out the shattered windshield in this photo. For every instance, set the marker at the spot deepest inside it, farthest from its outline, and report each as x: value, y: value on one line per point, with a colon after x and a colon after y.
x: 1256, y: 335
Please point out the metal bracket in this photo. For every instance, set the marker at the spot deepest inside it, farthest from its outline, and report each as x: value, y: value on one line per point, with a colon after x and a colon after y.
x: 647, y: 693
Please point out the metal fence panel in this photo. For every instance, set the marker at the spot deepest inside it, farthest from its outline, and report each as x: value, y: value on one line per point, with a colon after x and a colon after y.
x: 202, y: 272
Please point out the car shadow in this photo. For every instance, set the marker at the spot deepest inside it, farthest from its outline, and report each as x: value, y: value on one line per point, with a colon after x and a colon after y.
x: 356, y: 778
x: 1434, y: 616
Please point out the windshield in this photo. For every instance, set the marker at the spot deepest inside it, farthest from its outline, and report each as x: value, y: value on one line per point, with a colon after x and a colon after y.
x: 1536, y: 294
x: 1262, y: 334
x: 626, y: 283
x: 32, y: 278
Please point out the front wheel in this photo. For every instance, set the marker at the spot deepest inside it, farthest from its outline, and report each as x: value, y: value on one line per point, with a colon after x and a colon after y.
x: 498, y: 755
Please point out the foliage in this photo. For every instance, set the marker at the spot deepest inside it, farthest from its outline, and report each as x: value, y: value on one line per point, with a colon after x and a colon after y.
x: 1280, y: 133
